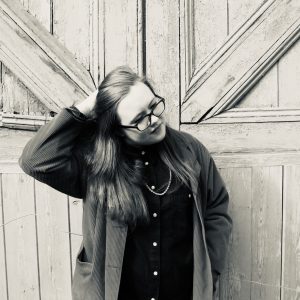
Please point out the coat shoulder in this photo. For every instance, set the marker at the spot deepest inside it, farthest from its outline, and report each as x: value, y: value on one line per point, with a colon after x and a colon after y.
x: 189, y: 140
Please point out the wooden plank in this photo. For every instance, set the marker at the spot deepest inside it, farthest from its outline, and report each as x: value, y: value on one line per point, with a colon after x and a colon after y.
x: 53, y: 243
x: 14, y: 93
x: 162, y: 49
x: 71, y: 27
x: 289, y: 78
x: 40, y: 9
x: 248, y: 137
x: 209, y: 27
x: 240, y: 11
x: 238, y: 160
x: 291, y: 233
x: 39, y: 60
x: 20, y: 237
x: 266, y: 232
x: 233, y: 281
x: 197, y: 40
x: 3, y: 282
x: 121, y: 43
x: 75, y: 227
x: 27, y: 122
x: 256, y: 115
x: 17, y: 98
x: 263, y: 94
x: 245, y: 57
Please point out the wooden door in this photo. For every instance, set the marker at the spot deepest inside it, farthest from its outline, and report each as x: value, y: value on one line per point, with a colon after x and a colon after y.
x: 229, y: 70
x: 241, y: 99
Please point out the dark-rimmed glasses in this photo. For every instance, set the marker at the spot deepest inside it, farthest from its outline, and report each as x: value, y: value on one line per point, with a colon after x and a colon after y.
x: 144, y: 122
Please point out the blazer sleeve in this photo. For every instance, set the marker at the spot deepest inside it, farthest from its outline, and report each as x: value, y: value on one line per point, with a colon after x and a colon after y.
x: 217, y: 221
x: 50, y: 158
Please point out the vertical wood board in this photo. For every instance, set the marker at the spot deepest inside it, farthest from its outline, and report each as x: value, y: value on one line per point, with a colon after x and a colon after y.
x: 53, y: 242
x: 121, y: 34
x: 162, y: 54
x: 20, y: 237
x: 291, y: 234
x: 3, y: 283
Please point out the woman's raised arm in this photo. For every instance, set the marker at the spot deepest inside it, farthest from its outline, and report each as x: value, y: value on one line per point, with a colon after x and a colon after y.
x: 50, y: 157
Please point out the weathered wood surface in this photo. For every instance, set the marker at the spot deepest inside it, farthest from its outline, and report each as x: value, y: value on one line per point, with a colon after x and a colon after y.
x: 39, y: 60
x: 248, y: 137
x: 3, y: 282
x: 289, y: 78
x: 291, y: 234
x: 52, y: 220
x: 121, y: 37
x: 20, y: 237
x: 228, y: 73
x: 254, y: 266
x: 162, y: 49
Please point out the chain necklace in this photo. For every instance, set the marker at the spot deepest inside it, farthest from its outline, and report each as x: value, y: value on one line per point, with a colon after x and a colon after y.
x: 167, y: 188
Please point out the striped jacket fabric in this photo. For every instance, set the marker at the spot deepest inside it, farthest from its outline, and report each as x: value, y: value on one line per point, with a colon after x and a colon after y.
x: 50, y: 158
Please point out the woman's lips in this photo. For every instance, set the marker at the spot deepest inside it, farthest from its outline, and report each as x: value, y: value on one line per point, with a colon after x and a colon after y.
x: 156, y: 128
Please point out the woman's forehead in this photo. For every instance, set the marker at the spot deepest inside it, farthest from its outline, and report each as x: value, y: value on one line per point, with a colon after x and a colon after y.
x: 135, y: 102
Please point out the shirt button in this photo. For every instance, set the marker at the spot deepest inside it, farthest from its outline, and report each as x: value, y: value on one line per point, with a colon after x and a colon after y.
x: 190, y: 195
x: 143, y: 152
x: 154, y: 215
x: 152, y: 298
x: 154, y: 244
x: 146, y: 163
x: 152, y: 187
x: 155, y: 273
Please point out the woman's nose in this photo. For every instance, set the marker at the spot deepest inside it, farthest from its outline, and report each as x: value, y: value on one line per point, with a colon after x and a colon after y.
x: 154, y: 119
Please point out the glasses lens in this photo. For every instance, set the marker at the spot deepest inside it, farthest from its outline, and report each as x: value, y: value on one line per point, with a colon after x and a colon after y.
x: 143, y: 123
x: 159, y: 109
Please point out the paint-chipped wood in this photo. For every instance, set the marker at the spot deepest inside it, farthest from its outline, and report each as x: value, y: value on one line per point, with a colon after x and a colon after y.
x: 53, y: 242
x: 231, y: 71
x: 291, y: 233
x: 20, y: 237
x: 39, y: 60
x: 233, y: 284
x: 40, y: 9
x: 17, y: 98
x: 121, y: 43
x: 240, y: 11
x: 248, y: 137
x: 266, y: 221
x: 71, y: 27
x: 256, y: 115
x: 3, y: 289
x: 206, y: 15
x: 263, y: 94
x: 289, y: 78
x: 162, y: 54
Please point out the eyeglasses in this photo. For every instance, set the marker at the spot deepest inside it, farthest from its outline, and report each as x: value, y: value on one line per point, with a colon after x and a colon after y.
x: 143, y: 123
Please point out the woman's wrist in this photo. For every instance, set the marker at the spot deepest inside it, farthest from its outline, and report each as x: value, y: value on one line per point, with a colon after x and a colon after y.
x: 87, y: 106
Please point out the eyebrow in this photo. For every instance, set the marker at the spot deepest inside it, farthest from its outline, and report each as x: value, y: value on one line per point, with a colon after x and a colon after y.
x: 142, y: 112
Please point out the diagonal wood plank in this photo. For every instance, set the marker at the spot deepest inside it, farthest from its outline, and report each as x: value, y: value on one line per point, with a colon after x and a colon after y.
x: 230, y: 71
x: 39, y: 60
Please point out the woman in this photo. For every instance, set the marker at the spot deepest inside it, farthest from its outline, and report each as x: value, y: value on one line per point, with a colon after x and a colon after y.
x: 155, y: 222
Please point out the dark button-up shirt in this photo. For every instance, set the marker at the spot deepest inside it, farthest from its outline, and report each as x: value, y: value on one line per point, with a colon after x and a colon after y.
x: 158, y: 258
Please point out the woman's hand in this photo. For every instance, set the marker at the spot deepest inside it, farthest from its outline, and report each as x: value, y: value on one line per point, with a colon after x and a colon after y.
x: 88, y: 104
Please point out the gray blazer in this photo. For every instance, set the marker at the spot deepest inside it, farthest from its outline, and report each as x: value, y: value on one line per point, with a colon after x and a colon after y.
x: 49, y: 157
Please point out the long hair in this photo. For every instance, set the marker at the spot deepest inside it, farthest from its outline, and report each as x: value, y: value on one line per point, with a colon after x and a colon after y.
x: 113, y: 179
